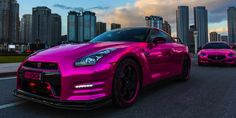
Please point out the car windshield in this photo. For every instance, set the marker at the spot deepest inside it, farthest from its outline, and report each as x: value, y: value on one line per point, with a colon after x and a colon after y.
x: 126, y: 35
x: 216, y: 46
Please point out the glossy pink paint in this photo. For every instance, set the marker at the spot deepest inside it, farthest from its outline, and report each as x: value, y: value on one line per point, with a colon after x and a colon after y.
x: 157, y: 62
x: 204, y: 56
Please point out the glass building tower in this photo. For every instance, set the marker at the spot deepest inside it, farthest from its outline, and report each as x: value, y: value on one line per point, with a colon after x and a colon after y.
x: 182, y: 22
x: 72, y: 26
x: 9, y: 21
x: 232, y: 25
x: 201, y: 23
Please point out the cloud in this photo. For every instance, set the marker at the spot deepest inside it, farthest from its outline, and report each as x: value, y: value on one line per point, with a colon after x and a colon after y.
x: 80, y: 8
x: 98, y: 8
x: 133, y: 14
x: 221, y: 30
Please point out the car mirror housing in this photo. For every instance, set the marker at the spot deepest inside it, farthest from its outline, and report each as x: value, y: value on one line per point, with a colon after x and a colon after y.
x: 178, y: 40
x: 158, y: 40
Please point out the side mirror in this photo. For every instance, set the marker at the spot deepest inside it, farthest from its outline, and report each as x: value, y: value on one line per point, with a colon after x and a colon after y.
x: 178, y: 40
x: 158, y: 40
x: 233, y: 47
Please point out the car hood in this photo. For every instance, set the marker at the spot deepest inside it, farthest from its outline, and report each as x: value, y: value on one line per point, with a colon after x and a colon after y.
x: 80, y: 50
x: 217, y: 51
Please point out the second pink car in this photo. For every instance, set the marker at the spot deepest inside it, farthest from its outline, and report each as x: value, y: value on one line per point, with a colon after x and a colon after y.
x: 219, y: 53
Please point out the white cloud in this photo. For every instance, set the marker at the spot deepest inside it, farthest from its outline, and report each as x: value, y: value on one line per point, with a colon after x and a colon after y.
x: 133, y: 14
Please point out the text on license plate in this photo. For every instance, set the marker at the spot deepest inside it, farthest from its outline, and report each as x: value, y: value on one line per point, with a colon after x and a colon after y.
x: 32, y: 75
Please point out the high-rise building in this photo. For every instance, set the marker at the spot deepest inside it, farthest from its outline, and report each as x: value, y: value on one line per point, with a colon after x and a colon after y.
x: 167, y: 27
x: 81, y: 26
x: 26, y: 29
x: 201, y: 23
x: 9, y: 21
x: 232, y: 25
x: 182, y: 22
x: 115, y: 26
x: 89, y: 20
x: 213, y: 36
x: 101, y: 28
x: 224, y: 38
x: 154, y: 21
x: 42, y: 25
x: 191, y: 40
x: 55, y: 29
x: 72, y: 26
x: 219, y: 37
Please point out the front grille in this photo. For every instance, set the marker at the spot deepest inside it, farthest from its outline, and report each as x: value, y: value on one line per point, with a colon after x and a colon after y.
x: 38, y: 88
x: 41, y: 65
x: 216, y: 57
x: 51, y: 78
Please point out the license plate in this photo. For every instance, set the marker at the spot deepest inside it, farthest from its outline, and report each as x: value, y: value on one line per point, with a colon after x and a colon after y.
x: 32, y: 75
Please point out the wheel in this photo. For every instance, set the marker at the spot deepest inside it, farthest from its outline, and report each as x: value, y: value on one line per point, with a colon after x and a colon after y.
x: 185, y: 70
x: 127, y: 83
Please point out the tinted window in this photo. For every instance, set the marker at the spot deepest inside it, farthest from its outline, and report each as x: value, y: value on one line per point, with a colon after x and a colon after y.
x: 153, y: 34
x: 158, y: 33
x: 130, y: 35
x: 216, y: 46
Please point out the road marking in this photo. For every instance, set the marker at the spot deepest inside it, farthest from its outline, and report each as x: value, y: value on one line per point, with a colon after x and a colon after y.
x: 8, y: 78
x: 11, y: 104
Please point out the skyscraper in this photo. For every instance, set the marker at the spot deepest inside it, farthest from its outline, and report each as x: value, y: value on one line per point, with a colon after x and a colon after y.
x: 213, y: 36
x: 224, y: 38
x: 9, y: 21
x: 154, y: 21
x: 191, y: 40
x: 89, y: 20
x: 167, y: 27
x: 101, y: 28
x: 201, y: 23
x: 41, y: 25
x: 182, y: 22
x: 232, y: 25
x: 81, y: 26
x: 55, y: 29
x: 72, y: 26
x: 115, y: 26
x: 26, y: 29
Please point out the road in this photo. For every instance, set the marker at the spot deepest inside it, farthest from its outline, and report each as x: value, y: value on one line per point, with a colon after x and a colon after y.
x: 211, y: 93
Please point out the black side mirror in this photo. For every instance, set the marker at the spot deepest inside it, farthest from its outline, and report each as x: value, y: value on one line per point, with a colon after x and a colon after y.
x: 158, y: 40
x: 178, y: 40
x: 233, y: 47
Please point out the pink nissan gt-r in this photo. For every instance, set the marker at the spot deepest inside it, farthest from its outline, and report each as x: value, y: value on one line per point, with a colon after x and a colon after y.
x: 217, y: 53
x: 114, y: 66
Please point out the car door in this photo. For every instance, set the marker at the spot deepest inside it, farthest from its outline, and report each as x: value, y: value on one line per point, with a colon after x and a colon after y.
x: 159, y: 57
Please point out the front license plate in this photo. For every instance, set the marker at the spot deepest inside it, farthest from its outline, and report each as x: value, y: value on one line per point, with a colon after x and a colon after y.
x: 32, y: 75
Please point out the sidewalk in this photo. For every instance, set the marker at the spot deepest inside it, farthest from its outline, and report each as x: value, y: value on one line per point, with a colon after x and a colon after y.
x: 8, y: 69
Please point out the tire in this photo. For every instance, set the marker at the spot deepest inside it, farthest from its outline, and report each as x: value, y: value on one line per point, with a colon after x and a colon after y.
x: 185, y: 75
x: 126, y: 83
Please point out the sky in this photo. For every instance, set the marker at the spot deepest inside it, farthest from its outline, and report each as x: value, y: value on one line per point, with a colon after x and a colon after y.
x: 132, y: 12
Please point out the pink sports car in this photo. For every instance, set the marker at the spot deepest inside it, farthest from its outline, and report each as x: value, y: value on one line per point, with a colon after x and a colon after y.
x: 217, y: 53
x: 114, y: 66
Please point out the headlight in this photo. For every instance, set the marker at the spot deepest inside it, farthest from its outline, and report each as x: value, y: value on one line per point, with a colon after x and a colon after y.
x: 93, y: 58
x: 202, y: 54
x: 232, y: 55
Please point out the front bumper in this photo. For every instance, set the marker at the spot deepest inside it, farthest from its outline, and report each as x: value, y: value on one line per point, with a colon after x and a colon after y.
x: 226, y: 61
x: 56, y: 103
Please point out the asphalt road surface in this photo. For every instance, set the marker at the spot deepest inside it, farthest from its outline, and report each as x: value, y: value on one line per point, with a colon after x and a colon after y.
x: 211, y: 93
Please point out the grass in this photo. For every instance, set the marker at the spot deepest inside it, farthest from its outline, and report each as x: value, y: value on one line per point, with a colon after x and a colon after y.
x: 11, y: 59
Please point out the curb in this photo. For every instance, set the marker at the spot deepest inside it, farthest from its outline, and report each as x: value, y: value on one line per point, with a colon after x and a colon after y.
x: 7, y: 74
